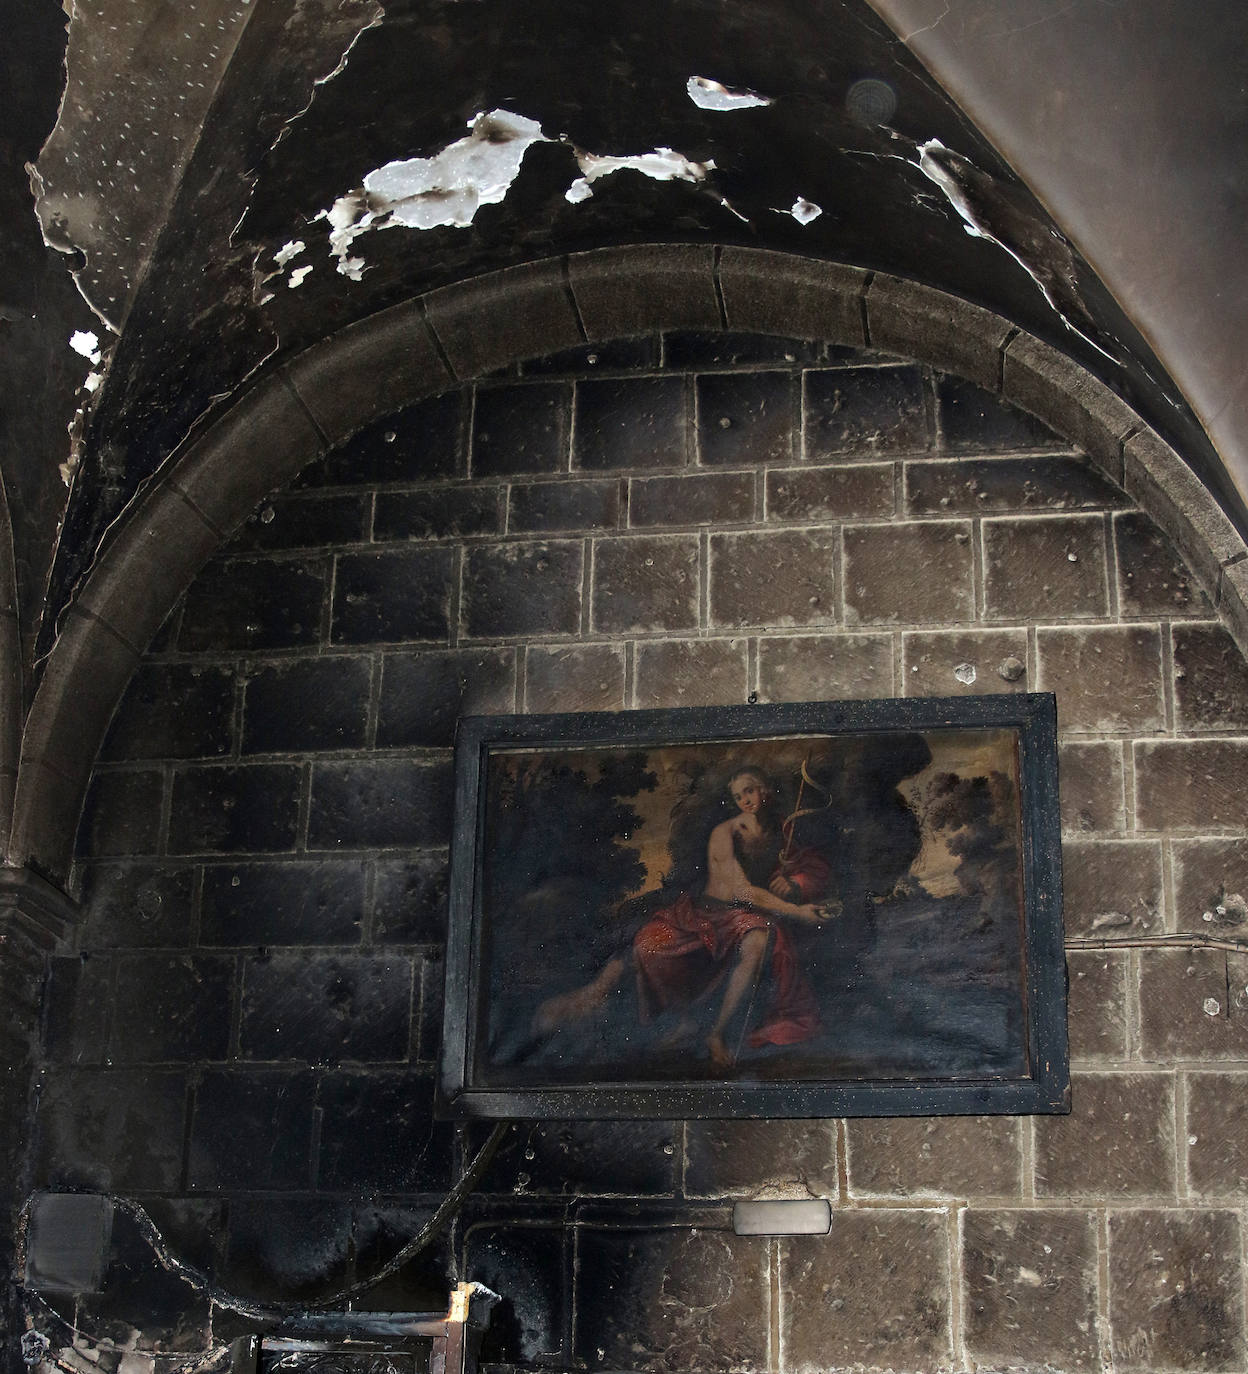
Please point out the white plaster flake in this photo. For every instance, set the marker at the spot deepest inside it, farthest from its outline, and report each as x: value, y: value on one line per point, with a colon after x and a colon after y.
x: 297, y: 276
x: 661, y: 164
x: 288, y: 251
x: 804, y: 211
x: 86, y: 342
x: 446, y: 189
x: 707, y: 94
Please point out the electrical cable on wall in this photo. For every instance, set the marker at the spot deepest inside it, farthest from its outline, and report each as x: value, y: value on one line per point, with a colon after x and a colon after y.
x: 269, y: 1312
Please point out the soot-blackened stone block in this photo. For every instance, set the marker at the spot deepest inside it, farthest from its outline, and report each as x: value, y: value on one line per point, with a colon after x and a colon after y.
x: 121, y: 815
x: 1210, y: 679
x: 438, y: 513
x: 394, y: 596
x: 326, y: 1008
x: 838, y: 1308
x: 529, y: 1266
x: 306, y: 704
x: 1045, y: 567
x: 379, y: 1135
x: 1118, y: 1140
x: 972, y: 420
x: 379, y: 802
x: 220, y: 809
x: 430, y: 971
x: 645, y: 583
x: 1211, y: 885
x: 745, y: 417
x: 864, y: 410
x: 587, y: 1158
x: 859, y: 492
x: 521, y: 429
x: 530, y: 588
x: 613, y: 355
x: 1111, y: 886
x: 287, y: 1248
x: 825, y: 667
x: 760, y: 1159
x: 420, y: 1285
x: 1091, y: 787
x: 174, y: 711
x: 581, y: 677
x: 249, y: 603
x: 990, y: 485
x: 1106, y: 678
x: 174, y: 1009
x: 670, y: 1301
x: 773, y: 578
x: 112, y: 1130
x: 692, y: 672
x: 282, y: 903
x: 1191, y: 784
x: 546, y: 507
x: 685, y: 350
x: 1030, y: 1282
x: 409, y: 899
x: 1217, y: 1148
x: 136, y: 906
x: 631, y: 422
x: 706, y: 498
x: 304, y: 522
x: 252, y: 1130
x: 76, y: 1006
x: 1096, y: 1014
x: 421, y: 441
x: 964, y: 663
x: 424, y: 695
x: 141, y: 1294
x: 1153, y: 579
x: 1176, y: 1290
x: 920, y: 573
x: 1193, y: 1004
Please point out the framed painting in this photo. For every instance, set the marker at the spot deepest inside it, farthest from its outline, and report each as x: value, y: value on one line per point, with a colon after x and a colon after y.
x: 810, y: 910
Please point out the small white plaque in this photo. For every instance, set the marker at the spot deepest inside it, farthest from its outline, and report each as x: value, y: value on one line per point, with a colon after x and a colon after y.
x: 796, y: 1217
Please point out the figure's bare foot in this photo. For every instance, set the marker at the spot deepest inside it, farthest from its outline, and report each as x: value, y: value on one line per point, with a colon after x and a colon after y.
x: 680, y: 1034
x: 581, y: 1002
x: 720, y: 1056
x: 564, y: 1009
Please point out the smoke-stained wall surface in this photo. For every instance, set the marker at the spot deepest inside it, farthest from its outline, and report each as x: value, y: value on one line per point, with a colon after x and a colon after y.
x: 243, y: 1036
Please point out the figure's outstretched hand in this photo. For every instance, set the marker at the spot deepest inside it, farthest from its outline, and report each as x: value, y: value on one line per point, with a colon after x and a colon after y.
x: 819, y: 913
x: 785, y: 889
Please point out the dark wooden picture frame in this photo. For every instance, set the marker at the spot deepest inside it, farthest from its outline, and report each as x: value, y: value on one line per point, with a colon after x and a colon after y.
x: 806, y: 910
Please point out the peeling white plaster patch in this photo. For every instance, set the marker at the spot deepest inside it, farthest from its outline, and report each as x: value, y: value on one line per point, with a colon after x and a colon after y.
x: 425, y: 192
x: 450, y: 187
x: 804, y: 210
x: 85, y: 342
x: 713, y: 95
x: 297, y: 276
x: 662, y: 164
x: 939, y: 165
x: 93, y: 381
x: 288, y: 251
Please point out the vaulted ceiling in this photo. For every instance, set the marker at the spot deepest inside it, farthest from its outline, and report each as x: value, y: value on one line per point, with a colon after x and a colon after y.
x: 208, y: 195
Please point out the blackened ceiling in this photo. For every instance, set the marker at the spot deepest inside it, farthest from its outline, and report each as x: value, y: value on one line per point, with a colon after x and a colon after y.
x: 246, y: 142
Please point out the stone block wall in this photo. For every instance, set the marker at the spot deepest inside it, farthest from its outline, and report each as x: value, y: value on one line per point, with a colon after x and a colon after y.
x: 244, y: 1037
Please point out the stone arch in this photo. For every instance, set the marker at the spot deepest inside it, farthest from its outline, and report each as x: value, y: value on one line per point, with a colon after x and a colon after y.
x: 456, y: 334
